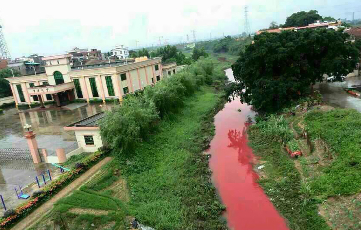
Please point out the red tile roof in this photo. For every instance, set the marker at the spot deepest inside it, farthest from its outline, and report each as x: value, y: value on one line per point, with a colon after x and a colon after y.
x: 355, y: 31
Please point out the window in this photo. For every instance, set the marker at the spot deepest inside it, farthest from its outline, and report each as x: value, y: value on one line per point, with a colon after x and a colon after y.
x: 123, y: 77
x: 108, y: 80
x: 45, y: 83
x: 158, y: 78
x: 93, y: 86
x: 156, y: 67
x: 49, y: 97
x: 152, y: 80
x: 79, y: 93
x: 35, y: 98
x: 58, y: 77
x: 89, y: 140
x: 174, y: 71
x: 125, y: 90
x: 169, y: 73
x: 50, y: 63
x: 31, y: 85
x: 20, y: 92
x: 58, y: 62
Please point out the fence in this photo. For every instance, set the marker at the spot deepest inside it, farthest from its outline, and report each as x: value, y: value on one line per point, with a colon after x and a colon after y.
x: 15, y: 154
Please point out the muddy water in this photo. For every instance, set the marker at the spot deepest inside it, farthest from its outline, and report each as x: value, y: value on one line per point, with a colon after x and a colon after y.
x: 248, y: 208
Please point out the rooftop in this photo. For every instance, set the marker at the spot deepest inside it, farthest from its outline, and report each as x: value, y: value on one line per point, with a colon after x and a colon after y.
x: 355, y: 31
x: 91, y: 121
x: 56, y: 57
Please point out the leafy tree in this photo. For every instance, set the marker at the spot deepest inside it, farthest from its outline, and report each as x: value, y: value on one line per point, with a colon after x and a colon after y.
x: 5, y: 89
x: 273, y: 25
x: 345, y: 24
x: 171, y: 54
x: 223, y: 45
x: 198, y: 52
x: 329, y: 19
x: 140, y: 53
x: 281, y: 67
x: 302, y: 18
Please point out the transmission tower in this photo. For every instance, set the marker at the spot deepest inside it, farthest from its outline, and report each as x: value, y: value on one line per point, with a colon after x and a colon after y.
x: 194, y: 35
x: 4, y: 51
x: 247, y: 27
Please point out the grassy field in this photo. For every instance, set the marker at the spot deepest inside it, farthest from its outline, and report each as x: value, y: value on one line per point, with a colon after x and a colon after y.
x: 168, y: 176
x: 166, y: 184
x: 96, y: 205
x: 319, y: 190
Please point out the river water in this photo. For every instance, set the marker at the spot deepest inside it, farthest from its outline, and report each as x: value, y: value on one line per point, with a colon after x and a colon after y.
x: 232, y: 160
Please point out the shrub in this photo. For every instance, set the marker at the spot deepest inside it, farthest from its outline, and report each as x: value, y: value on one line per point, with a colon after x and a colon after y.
x: 275, y: 128
x: 37, y: 193
x: 8, y: 213
x: 79, y: 165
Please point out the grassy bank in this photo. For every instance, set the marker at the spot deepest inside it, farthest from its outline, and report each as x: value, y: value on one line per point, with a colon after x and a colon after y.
x: 319, y: 190
x: 168, y: 175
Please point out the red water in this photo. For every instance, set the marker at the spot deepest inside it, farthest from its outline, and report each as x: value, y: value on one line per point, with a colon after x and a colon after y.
x: 248, y: 208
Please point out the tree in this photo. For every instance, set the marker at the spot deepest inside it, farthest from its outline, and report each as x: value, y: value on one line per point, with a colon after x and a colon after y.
x: 223, y: 45
x: 171, y: 54
x: 329, y: 19
x: 140, y: 53
x: 273, y: 25
x: 280, y: 67
x: 302, y: 18
x: 198, y: 52
x: 5, y: 89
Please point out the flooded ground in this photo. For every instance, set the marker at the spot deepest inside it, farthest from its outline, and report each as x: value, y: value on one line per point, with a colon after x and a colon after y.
x: 333, y: 93
x: 48, y: 126
x: 232, y: 160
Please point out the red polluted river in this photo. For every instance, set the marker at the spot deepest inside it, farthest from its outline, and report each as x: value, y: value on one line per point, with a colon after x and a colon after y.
x: 232, y: 160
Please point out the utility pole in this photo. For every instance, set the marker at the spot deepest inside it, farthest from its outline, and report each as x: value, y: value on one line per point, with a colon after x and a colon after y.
x: 187, y: 38
x: 4, y: 51
x: 247, y: 27
x: 194, y: 35
x: 136, y: 44
x: 160, y: 41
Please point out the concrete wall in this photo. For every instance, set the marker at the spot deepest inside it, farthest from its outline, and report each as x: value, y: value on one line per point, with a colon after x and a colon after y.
x: 81, y: 142
x: 63, y: 67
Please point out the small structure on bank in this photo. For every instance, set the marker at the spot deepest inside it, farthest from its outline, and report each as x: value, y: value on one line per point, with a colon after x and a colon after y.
x: 87, y: 133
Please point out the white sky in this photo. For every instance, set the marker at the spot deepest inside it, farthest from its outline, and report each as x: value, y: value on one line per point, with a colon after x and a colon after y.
x: 51, y: 27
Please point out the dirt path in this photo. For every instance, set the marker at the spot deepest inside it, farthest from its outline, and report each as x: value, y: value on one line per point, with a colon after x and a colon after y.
x: 47, y: 206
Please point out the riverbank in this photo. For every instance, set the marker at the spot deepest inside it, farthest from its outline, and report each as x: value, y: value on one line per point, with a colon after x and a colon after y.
x: 321, y: 189
x: 168, y: 175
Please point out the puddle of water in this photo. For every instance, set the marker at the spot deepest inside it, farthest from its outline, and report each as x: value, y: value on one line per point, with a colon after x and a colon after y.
x: 232, y: 164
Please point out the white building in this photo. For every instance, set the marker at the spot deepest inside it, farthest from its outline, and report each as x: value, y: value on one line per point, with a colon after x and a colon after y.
x: 120, y: 51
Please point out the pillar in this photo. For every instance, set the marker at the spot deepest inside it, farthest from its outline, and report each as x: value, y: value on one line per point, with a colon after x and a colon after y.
x: 60, y: 153
x: 139, y: 81
x: 146, y: 75
x: 101, y: 88
x: 84, y: 88
x: 45, y: 155
x: 33, y: 146
x: 14, y: 95
x: 118, y: 88
x: 154, y: 78
x: 41, y: 101
x: 130, y: 82
x: 57, y: 100
x: 26, y: 94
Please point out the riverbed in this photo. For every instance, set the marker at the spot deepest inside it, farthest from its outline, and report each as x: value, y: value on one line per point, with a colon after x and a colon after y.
x: 232, y: 161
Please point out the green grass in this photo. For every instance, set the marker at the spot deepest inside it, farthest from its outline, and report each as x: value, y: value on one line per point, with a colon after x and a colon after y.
x: 168, y: 176
x: 229, y: 59
x: 70, y: 163
x: 106, y: 177
x: 283, y: 183
x: 341, y: 130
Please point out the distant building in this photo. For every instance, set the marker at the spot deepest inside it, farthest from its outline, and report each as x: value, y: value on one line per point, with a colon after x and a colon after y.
x: 316, y: 25
x: 120, y: 51
x: 95, y: 54
x: 3, y: 63
x: 169, y: 69
x: 18, y: 66
x: 355, y: 32
x: 62, y: 83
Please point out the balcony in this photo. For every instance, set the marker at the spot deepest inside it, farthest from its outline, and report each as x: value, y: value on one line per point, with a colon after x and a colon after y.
x: 50, y: 89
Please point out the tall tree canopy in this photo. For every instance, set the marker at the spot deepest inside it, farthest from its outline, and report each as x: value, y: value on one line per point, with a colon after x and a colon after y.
x: 199, y: 52
x: 140, y: 53
x: 281, y: 67
x: 302, y: 18
x: 5, y: 90
x: 171, y: 54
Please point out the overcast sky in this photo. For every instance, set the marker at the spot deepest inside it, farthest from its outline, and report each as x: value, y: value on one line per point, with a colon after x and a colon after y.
x: 54, y: 27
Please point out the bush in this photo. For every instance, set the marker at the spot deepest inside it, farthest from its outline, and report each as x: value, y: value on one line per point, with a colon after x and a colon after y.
x: 79, y: 165
x: 130, y: 123
x: 276, y: 128
x: 37, y: 193
x: 8, y: 213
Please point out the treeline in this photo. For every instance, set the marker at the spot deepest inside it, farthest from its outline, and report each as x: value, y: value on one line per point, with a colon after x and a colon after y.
x: 227, y: 44
x: 132, y: 122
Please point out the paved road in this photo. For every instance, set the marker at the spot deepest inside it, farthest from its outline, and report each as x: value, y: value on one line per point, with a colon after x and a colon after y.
x: 335, y: 95
x: 47, y: 206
